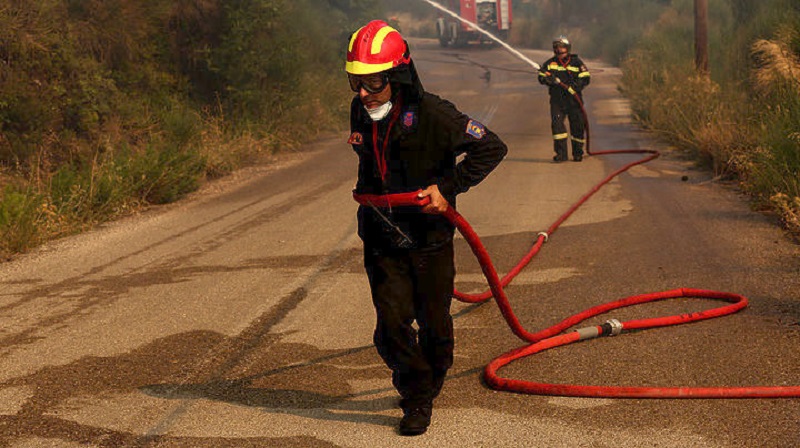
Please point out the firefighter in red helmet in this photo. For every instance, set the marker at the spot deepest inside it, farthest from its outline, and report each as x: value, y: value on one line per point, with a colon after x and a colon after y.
x: 568, y: 69
x: 406, y: 140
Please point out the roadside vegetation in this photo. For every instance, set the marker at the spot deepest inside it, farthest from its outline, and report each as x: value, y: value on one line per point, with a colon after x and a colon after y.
x: 742, y: 121
x: 109, y: 106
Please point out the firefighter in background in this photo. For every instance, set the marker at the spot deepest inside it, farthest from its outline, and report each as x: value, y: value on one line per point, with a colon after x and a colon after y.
x: 567, y: 68
x: 394, y: 22
x: 406, y: 140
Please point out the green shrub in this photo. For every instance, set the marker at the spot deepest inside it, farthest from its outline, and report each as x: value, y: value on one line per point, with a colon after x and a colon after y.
x: 164, y: 174
x: 21, y: 215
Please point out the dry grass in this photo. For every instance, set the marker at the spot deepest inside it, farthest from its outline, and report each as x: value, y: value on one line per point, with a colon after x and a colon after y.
x: 776, y: 64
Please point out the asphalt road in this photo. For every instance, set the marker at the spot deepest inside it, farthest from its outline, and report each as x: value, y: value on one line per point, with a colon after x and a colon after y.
x: 241, y: 316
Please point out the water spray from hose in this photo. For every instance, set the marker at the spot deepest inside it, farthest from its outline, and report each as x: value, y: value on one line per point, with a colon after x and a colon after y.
x: 488, y: 34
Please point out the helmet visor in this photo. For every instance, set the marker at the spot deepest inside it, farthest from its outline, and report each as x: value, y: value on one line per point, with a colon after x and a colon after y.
x: 372, y: 83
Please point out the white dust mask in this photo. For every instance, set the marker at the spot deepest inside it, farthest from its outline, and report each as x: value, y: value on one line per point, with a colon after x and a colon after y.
x: 380, y: 112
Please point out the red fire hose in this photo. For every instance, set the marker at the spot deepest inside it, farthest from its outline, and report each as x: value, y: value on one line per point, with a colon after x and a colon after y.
x: 553, y: 337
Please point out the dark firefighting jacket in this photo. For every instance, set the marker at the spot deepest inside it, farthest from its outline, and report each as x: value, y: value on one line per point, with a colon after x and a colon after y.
x: 571, y: 71
x: 425, y: 136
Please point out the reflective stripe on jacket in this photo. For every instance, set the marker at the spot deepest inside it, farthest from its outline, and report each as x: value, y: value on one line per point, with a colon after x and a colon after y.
x: 572, y: 72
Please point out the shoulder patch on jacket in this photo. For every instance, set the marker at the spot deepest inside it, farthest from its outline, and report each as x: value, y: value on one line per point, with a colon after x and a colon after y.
x: 475, y: 129
x: 355, y: 139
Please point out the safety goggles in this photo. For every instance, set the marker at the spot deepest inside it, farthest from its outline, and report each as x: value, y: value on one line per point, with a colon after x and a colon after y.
x: 373, y: 83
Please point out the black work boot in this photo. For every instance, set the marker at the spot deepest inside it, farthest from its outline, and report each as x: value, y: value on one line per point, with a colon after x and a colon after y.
x: 415, y: 420
x: 560, y: 148
x: 577, y: 151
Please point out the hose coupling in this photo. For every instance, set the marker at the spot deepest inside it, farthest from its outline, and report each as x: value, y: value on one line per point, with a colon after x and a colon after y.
x: 588, y: 333
x: 545, y: 235
x: 612, y: 327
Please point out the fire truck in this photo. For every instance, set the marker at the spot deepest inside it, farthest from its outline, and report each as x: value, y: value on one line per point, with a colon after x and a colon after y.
x: 493, y: 16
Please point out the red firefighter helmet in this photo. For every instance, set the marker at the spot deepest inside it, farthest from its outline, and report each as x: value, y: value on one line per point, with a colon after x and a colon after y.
x: 375, y: 47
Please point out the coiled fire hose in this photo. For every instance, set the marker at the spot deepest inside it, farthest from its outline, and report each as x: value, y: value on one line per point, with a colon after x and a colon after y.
x: 553, y: 337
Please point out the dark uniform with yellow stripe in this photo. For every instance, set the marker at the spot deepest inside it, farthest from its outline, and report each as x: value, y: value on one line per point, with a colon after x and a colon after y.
x: 408, y: 255
x: 573, y: 72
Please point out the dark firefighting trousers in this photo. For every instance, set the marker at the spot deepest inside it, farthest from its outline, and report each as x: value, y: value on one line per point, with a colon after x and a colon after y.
x: 409, y: 285
x: 558, y: 112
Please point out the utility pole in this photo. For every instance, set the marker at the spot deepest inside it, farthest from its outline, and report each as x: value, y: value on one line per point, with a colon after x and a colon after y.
x: 701, y: 36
